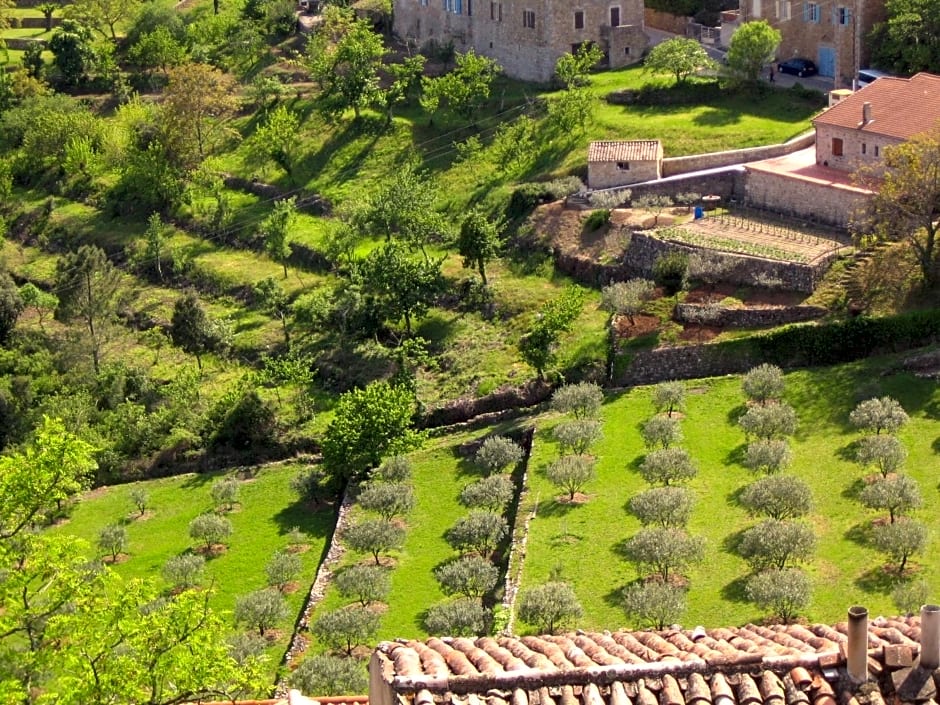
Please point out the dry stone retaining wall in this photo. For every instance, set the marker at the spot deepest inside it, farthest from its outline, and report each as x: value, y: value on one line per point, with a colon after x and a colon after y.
x: 688, y: 362
x: 746, y: 317
x: 712, y: 160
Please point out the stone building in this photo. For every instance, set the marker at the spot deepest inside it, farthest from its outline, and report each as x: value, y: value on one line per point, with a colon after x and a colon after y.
x: 854, y: 132
x: 833, y: 34
x: 612, y: 164
x: 526, y: 37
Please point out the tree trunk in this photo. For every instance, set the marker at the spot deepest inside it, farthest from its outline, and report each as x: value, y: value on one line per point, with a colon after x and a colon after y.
x: 482, y: 267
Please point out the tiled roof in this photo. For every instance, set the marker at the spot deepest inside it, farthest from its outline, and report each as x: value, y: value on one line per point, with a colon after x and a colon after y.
x: 900, y: 107
x: 750, y: 665
x: 630, y: 151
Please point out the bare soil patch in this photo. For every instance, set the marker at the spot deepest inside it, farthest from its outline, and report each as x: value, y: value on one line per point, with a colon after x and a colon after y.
x: 298, y: 548
x: 641, y: 325
x: 115, y: 560
x: 579, y: 498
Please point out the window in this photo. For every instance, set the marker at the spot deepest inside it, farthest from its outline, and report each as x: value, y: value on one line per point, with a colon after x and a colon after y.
x: 496, y: 11
x: 876, y: 150
x: 811, y: 12
x: 626, y: 51
x: 783, y: 9
x: 623, y: 166
x: 756, y: 8
x: 579, y: 19
x: 454, y: 6
x: 864, y: 148
x: 469, y: 8
x: 615, y: 16
x: 837, y: 146
x: 528, y: 19
x: 843, y: 16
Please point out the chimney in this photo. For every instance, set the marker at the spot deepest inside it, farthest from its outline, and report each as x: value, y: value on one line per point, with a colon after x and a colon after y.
x: 866, y: 113
x: 858, y: 643
x: 930, y: 637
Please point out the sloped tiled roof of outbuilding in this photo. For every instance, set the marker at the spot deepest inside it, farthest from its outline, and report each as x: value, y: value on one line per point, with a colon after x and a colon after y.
x: 750, y: 665
x: 900, y: 107
x: 625, y: 151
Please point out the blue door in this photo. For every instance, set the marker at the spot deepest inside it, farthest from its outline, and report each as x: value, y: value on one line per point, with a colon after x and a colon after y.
x: 827, y: 62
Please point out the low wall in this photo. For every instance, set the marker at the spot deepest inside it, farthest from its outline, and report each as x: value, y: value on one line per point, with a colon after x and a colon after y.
x: 713, y: 160
x: 37, y: 22
x: 688, y: 362
x: 20, y: 44
x: 308, y: 202
x: 461, y: 410
x: 644, y: 250
x: 728, y: 184
x: 821, y: 203
x: 746, y: 317
x: 665, y: 21
x: 589, y: 271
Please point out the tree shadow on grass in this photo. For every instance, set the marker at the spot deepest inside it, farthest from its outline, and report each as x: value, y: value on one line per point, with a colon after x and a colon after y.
x: 854, y: 489
x: 736, y: 590
x: 614, y: 598
x: 936, y: 445
x: 554, y: 508
x: 636, y: 465
x: 858, y: 534
x: 879, y: 580
x: 717, y: 117
x: 736, y: 413
x: 848, y: 452
x: 732, y: 542
x: 737, y: 455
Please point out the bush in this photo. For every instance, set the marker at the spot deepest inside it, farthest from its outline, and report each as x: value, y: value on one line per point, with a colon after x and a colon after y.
x: 326, y: 674
x: 461, y: 617
x: 548, y: 606
x: 597, y: 220
x: 249, y: 423
x: 669, y: 271
x: 470, y: 576
x: 185, y: 571
x: 314, y: 484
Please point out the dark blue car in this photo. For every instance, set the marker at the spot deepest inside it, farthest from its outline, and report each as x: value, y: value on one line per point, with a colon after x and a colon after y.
x: 797, y: 67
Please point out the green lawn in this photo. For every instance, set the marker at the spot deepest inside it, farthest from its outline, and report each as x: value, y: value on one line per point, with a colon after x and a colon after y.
x: 845, y: 570
x: 267, y: 511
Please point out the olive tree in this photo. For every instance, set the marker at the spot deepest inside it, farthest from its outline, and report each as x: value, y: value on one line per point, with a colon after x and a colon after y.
x: 375, y: 536
x: 470, y: 576
x: 763, y: 383
x: 667, y: 465
x: 654, y: 604
x: 900, y: 540
x: 225, y: 492
x: 261, y: 609
x: 549, y: 605
x: 669, y: 397
x: 783, y: 592
x: 774, y: 543
x: 346, y: 628
x: 184, y: 571
x: 461, y: 617
x: 897, y: 495
x: 388, y: 499
x: 394, y: 469
x: 885, y: 452
x: 768, y: 455
x: 493, y: 493
x: 663, y: 551
x: 498, y: 453
x: 282, y: 569
x: 769, y: 422
x: 627, y: 298
x: 879, y: 414
x: 112, y: 539
x: 365, y: 583
x: 661, y: 431
x: 571, y: 473
x: 479, y: 531
x: 578, y: 435
x: 141, y: 500
x: 327, y: 674
x: 778, y: 497
x: 908, y: 596
x: 663, y: 506
x: 211, y: 529
x: 582, y: 400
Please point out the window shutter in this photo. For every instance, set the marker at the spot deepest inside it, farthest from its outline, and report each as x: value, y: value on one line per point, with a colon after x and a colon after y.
x: 806, y: 12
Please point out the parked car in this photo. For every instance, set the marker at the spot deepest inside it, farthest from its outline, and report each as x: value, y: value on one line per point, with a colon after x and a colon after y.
x: 797, y: 67
x: 866, y: 76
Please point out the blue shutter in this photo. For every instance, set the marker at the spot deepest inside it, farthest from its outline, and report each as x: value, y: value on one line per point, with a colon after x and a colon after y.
x: 458, y: 7
x: 806, y: 12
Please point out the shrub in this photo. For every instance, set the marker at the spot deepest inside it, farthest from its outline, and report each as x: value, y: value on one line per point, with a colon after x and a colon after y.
x: 654, y: 604
x: 763, y: 383
x: 610, y: 199
x: 497, y: 453
x: 184, y: 571
x: 330, y: 675
x: 248, y: 423
x: 549, y: 605
x: 314, y: 484
x: 663, y: 506
x: 346, y: 628
x: 479, y: 531
x: 470, y: 576
x: 493, y: 493
x: 669, y: 271
x: 784, y: 592
x: 461, y: 617
x: 365, y: 583
x: 582, y: 400
x: 597, y: 220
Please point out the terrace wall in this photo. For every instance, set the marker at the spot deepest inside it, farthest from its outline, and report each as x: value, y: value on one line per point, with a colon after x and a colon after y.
x: 803, y: 199
x: 746, y: 317
x: 713, y: 160
x: 687, y: 362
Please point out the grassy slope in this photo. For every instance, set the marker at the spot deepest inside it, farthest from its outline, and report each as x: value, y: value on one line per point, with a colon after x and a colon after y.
x: 845, y: 570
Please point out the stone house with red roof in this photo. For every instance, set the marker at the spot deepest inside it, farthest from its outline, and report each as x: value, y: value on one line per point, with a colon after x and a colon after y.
x: 854, y: 132
x: 619, y: 163
x: 885, y: 661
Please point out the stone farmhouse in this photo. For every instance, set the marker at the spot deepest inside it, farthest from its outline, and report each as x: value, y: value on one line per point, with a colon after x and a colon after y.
x: 885, y: 661
x: 831, y: 33
x: 526, y: 37
x: 854, y: 132
x: 612, y: 163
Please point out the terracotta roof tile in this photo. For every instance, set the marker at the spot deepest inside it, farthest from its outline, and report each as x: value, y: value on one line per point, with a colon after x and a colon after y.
x: 900, y: 107
x: 625, y: 151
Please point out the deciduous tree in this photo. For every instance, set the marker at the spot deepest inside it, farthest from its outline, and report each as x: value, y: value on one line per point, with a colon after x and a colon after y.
x: 680, y: 56
x: 42, y: 302
x: 479, y: 241
x: 402, y: 286
x: 11, y: 305
x: 190, y: 328
x: 538, y: 346
x: 276, y: 139
x: 102, y: 14
x: 464, y: 90
x: 573, y: 68
x: 752, y: 46
x: 276, y: 230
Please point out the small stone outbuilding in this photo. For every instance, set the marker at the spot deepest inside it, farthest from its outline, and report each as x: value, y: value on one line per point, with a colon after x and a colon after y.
x: 621, y: 163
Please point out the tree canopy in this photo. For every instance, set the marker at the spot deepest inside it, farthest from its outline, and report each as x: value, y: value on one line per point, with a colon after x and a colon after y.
x: 680, y: 56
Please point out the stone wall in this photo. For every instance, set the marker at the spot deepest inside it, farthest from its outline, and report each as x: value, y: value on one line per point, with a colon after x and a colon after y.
x: 462, y: 410
x: 724, y: 317
x: 644, y: 250
x: 830, y: 204
x: 712, y: 160
x: 688, y: 362
x: 602, y: 175
x: 36, y: 22
x: 852, y: 155
x: 589, y: 271
x: 665, y: 21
